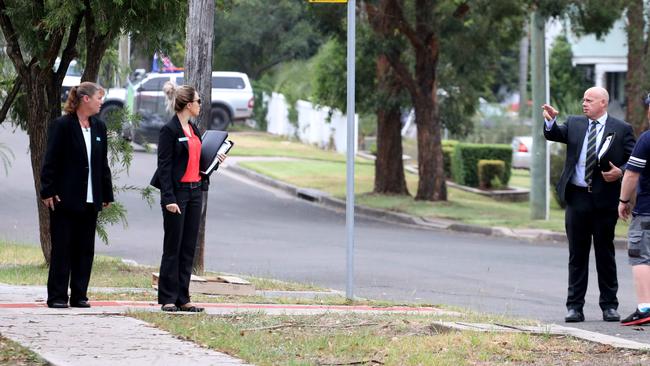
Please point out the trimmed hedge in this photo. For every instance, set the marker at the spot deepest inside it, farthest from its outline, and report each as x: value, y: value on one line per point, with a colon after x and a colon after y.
x: 447, y: 153
x: 491, y: 173
x: 464, y: 166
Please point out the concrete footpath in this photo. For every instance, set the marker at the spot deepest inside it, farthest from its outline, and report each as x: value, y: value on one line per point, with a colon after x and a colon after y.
x: 103, y: 335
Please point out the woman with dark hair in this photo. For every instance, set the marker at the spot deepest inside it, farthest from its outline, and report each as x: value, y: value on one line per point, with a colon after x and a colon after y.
x: 75, y: 186
x: 181, y: 186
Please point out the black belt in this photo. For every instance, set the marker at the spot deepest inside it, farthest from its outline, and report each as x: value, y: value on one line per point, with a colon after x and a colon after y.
x: 189, y: 185
x: 587, y: 189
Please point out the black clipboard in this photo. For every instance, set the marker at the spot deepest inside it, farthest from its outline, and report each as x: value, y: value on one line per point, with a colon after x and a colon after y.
x: 603, y: 152
x: 213, y: 143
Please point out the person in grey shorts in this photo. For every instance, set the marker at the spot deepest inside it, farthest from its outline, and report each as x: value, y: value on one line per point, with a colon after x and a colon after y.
x: 637, y: 176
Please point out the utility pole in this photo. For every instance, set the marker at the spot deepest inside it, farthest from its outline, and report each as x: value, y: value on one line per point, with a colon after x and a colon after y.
x: 538, y: 172
x: 198, y: 73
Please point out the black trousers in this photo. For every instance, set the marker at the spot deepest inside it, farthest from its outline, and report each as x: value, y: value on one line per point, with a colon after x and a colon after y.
x: 73, y: 249
x: 584, y: 220
x: 181, y: 233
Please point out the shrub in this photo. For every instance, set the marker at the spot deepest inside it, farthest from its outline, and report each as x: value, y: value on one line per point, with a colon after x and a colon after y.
x: 557, y: 165
x: 447, y: 153
x: 464, y: 166
x: 491, y: 173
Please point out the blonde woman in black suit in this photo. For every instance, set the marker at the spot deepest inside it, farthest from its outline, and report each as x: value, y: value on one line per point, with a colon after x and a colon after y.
x: 75, y: 186
x: 181, y: 185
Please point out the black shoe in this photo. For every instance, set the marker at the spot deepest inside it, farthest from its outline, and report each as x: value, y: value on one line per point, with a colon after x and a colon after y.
x: 191, y: 309
x: 80, y: 304
x: 170, y: 308
x: 637, y: 318
x: 574, y: 316
x: 57, y: 305
x: 611, y: 315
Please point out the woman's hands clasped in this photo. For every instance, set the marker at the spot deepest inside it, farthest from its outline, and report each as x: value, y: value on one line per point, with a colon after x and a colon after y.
x: 51, y: 201
x: 173, y: 208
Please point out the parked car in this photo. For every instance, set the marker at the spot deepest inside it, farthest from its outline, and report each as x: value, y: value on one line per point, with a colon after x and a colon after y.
x: 72, y: 78
x: 231, y: 100
x: 522, y: 147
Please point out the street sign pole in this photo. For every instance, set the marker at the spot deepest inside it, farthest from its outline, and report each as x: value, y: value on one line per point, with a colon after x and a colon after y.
x: 349, y: 203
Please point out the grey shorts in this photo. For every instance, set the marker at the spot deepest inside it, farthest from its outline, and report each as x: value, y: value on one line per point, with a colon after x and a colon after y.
x: 638, y: 241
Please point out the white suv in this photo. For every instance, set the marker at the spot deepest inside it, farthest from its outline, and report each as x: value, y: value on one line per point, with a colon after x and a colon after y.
x: 72, y: 78
x: 231, y: 100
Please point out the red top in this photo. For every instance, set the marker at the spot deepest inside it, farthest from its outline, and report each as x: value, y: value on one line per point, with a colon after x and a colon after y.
x: 194, y: 150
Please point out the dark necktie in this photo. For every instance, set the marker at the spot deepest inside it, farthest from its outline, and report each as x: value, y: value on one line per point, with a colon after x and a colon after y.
x: 591, y: 152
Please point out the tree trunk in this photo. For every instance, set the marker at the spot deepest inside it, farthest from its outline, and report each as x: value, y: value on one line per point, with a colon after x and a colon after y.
x: 389, y: 166
x: 42, y: 87
x: 37, y: 125
x: 198, y: 73
x: 636, y: 79
x: 431, y: 184
x: 95, y: 50
x: 96, y: 45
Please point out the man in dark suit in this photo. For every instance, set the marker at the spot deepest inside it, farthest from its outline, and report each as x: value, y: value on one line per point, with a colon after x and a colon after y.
x: 590, y: 189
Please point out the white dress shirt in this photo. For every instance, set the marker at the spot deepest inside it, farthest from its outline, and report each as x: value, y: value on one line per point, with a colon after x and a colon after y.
x: 89, y: 192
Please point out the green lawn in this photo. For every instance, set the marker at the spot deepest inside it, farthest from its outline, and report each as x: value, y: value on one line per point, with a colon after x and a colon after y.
x: 330, y: 176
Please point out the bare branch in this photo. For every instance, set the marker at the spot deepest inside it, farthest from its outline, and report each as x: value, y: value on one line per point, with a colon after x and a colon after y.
x: 10, y: 98
x: 13, y: 47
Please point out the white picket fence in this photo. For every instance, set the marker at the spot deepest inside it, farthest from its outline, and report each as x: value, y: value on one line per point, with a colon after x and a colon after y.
x: 313, y: 125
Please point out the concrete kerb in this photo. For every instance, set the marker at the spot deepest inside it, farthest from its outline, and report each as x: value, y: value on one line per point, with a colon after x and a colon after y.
x: 549, y: 329
x: 326, y: 200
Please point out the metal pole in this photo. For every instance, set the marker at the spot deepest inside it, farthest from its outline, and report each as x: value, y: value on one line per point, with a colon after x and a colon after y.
x: 349, y: 203
x: 538, y: 79
x: 547, y: 87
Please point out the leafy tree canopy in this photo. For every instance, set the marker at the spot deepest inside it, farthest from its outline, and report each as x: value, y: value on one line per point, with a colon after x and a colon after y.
x: 255, y: 35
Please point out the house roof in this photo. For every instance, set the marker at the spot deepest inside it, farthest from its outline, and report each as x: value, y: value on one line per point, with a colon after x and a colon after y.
x: 612, y: 48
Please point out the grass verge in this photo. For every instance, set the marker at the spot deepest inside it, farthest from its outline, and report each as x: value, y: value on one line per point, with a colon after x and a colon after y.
x: 24, y: 265
x: 11, y: 353
x: 354, y: 339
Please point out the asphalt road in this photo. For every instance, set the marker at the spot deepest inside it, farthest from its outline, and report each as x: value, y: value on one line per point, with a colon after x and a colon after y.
x: 255, y: 230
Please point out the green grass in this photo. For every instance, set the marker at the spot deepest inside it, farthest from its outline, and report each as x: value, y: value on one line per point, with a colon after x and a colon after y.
x: 11, y: 353
x: 24, y: 265
x: 264, y: 144
x: 520, y: 178
x: 328, y: 176
x: 326, y: 171
x: 347, y: 339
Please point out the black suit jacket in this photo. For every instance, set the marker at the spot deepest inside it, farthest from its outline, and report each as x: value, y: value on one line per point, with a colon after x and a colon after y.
x: 173, y: 154
x: 572, y: 133
x: 65, y: 166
